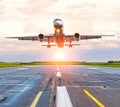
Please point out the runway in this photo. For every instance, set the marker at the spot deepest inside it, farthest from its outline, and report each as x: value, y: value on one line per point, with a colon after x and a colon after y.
x: 60, y: 86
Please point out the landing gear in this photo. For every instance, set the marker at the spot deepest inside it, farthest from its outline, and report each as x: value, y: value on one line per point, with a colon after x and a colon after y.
x: 48, y: 46
x: 70, y: 45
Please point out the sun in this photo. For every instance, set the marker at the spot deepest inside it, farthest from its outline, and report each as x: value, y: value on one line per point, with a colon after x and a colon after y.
x: 59, y: 56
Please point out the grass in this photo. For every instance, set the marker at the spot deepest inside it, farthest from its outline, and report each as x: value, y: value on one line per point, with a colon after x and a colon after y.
x: 15, y: 64
x: 115, y: 65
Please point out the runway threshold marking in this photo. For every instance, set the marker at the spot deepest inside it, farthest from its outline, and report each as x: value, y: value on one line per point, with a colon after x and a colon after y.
x: 93, y: 98
x: 63, y: 98
x: 34, y: 103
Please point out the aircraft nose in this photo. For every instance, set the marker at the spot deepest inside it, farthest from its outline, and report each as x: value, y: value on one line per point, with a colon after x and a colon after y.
x: 57, y: 23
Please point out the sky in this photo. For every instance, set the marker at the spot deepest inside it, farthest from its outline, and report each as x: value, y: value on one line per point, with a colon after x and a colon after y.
x: 31, y: 17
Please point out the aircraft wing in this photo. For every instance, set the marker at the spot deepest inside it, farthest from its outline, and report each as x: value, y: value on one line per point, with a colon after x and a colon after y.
x: 35, y: 38
x: 84, y: 37
x: 25, y: 38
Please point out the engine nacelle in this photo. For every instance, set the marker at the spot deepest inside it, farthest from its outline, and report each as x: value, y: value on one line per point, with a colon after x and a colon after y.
x: 41, y: 36
x: 77, y: 36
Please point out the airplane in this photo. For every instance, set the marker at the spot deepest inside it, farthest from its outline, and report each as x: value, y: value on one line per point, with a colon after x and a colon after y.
x: 59, y: 38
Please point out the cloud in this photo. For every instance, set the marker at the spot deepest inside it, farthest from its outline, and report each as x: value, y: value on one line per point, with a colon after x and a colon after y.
x: 35, y: 7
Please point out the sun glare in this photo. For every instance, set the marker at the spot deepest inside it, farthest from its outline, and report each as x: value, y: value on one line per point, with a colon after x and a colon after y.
x: 59, y: 56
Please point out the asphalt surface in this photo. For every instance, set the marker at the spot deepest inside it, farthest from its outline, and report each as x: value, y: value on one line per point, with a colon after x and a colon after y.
x: 87, y: 86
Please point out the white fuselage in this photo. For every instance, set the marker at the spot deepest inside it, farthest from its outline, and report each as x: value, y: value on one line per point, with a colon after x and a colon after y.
x: 58, y: 33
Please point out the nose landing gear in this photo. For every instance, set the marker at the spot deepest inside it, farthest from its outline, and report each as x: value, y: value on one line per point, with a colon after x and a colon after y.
x: 49, y: 46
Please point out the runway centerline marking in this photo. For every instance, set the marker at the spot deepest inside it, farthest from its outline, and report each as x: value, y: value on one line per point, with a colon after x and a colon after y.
x: 63, y: 98
x: 36, y: 99
x: 57, y: 67
x: 93, y: 98
x: 58, y: 74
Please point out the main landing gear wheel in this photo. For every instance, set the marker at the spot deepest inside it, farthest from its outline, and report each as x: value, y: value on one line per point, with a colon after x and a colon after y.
x: 70, y: 46
x: 49, y: 46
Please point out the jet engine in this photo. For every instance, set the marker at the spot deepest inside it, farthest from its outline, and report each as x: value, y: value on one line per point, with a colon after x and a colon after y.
x: 77, y: 36
x: 41, y: 36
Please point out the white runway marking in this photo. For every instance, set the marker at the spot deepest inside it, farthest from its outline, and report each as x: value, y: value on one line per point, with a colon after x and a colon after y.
x: 94, y: 68
x: 63, y: 98
x: 58, y: 74
x: 21, y: 68
x: 77, y: 86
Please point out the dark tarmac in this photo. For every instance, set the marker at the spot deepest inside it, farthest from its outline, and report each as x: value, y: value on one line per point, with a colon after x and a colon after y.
x: 77, y: 86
